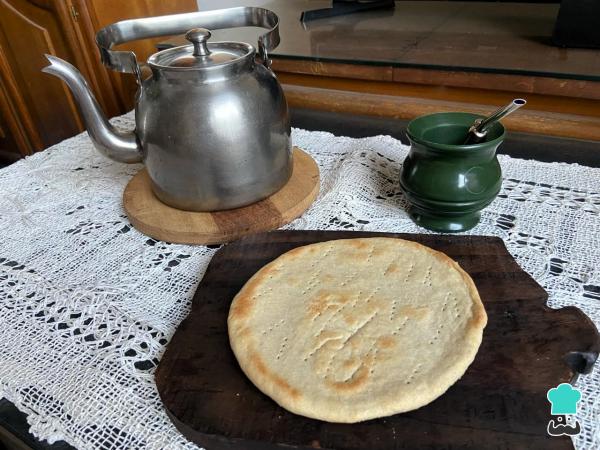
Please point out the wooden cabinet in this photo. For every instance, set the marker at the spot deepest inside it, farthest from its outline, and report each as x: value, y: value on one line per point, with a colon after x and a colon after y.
x: 43, y: 109
x: 12, y: 138
x: 37, y: 110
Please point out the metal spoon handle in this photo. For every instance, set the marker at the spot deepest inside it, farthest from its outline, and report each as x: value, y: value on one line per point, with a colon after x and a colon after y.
x: 480, y: 127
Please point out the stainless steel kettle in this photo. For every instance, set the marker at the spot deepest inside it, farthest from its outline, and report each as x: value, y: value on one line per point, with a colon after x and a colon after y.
x: 212, y: 123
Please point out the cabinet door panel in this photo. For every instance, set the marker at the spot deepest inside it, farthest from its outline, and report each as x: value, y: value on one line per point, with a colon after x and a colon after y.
x: 14, y: 141
x: 46, y: 109
x: 9, y: 149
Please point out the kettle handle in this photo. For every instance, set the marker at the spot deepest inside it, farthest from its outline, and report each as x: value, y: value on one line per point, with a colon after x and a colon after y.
x: 131, y: 30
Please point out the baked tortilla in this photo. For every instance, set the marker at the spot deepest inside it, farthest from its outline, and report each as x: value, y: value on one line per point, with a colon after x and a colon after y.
x: 354, y: 329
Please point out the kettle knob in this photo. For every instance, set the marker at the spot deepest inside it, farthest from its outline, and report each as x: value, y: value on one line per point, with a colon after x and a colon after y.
x: 199, y: 37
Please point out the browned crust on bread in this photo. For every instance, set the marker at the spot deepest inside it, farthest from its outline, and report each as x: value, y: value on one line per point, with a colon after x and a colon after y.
x: 356, y: 380
x: 246, y: 298
x: 257, y: 362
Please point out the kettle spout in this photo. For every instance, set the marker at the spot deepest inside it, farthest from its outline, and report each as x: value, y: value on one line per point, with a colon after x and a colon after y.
x: 119, y: 146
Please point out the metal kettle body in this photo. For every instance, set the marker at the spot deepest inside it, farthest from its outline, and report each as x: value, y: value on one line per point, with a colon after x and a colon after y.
x: 210, y: 144
x: 212, y: 125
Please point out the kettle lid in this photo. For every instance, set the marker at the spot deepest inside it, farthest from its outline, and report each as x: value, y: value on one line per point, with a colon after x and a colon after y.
x: 201, y: 54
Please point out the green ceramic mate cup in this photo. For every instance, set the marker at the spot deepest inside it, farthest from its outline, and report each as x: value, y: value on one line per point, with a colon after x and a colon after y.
x: 447, y: 183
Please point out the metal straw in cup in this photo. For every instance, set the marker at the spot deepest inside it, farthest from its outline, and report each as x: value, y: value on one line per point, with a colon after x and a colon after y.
x: 479, y: 129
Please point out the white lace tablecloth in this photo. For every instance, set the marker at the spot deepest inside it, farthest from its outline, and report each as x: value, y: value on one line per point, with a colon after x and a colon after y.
x: 87, y: 303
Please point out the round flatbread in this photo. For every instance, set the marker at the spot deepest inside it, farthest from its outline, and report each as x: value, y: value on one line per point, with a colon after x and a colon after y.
x: 354, y: 329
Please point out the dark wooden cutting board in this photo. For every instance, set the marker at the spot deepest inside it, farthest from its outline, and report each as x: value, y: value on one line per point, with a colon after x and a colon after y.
x: 500, y: 402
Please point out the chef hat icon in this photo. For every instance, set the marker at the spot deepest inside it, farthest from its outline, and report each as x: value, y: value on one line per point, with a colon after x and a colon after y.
x: 563, y: 399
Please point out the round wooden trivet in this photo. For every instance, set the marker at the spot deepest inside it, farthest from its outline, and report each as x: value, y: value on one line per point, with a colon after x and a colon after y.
x: 159, y: 221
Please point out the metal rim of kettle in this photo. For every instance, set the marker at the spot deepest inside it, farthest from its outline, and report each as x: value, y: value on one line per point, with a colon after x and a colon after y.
x: 200, y: 54
x: 215, y: 72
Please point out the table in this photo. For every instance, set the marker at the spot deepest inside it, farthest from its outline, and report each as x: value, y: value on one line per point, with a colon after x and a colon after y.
x: 475, y: 36
x: 517, y: 145
x: 434, y: 55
